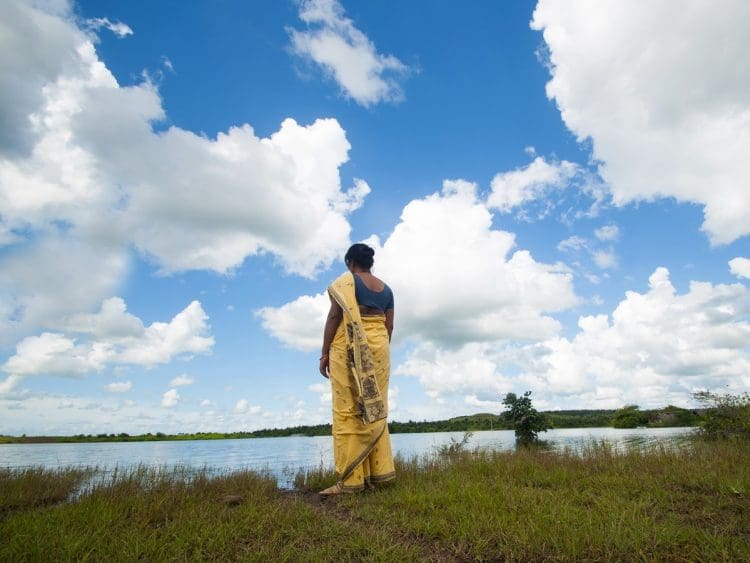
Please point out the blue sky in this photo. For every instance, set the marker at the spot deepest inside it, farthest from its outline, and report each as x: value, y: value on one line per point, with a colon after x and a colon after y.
x: 557, y: 193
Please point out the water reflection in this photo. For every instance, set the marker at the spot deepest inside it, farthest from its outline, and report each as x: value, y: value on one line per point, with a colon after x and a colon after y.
x: 282, y: 457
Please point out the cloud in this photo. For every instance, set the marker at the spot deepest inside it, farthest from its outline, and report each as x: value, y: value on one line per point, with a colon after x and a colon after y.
x: 346, y: 54
x: 85, y: 178
x: 181, y: 380
x: 323, y: 390
x: 48, y: 281
x: 573, y: 243
x: 469, y: 370
x: 91, y: 415
x: 655, y: 348
x: 280, y: 195
x: 516, y: 187
x: 185, y: 334
x: 118, y: 28
x: 102, y: 343
x: 170, y: 398
x: 119, y: 387
x: 7, y: 385
x: 111, y: 322
x: 472, y: 286
x: 243, y: 407
x: 607, y: 233
x: 740, y: 267
x: 35, y: 48
x: 662, y: 95
x: 298, y: 324
x: 54, y: 354
x: 605, y: 259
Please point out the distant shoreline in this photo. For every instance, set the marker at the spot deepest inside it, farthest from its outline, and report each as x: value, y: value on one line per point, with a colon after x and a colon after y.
x: 669, y: 416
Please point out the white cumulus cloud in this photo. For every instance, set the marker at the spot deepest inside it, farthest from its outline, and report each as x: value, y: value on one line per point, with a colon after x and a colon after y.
x: 662, y: 91
x: 514, y: 188
x: 48, y: 282
x: 84, y: 178
x: 119, y: 387
x: 298, y: 324
x: 607, y: 233
x: 181, y: 380
x: 605, y: 259
x: 655, y: 348
x: 101, y: 343
x: 243, y: 407
x: 740, y: 267
x: 346, y: 54
x: 459, y: 280
x: 170, y: 398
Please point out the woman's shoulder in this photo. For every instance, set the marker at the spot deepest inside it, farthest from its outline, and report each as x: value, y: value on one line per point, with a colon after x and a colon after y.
x: 344, y: 279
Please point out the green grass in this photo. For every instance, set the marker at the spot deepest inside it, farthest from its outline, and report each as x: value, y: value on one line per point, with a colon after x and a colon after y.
x: 159, y: 515
x: 23, y: 489
x: 668, y: 504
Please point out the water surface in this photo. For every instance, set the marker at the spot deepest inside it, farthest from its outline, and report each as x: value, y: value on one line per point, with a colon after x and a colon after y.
x: 284, y: 456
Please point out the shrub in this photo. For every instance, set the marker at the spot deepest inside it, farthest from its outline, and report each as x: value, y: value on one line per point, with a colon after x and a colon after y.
x: 726, y: 416
x: 526, y: 421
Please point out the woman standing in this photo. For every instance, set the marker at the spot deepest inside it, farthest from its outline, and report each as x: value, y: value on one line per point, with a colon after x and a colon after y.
x: 356, y: 359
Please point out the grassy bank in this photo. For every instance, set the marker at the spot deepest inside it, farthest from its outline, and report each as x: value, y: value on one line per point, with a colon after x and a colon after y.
x: 655, y: 504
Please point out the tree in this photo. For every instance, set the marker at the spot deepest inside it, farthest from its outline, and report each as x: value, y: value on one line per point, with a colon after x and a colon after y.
x: 629, y: 417
x: 526, y: 421
x: 726, y: 416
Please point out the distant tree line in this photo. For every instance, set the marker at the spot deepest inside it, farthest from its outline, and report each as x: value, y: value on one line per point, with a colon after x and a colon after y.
x: 627, y: 417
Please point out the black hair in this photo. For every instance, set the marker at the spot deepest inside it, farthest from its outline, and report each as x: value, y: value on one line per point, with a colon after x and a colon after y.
x: 361, y: 255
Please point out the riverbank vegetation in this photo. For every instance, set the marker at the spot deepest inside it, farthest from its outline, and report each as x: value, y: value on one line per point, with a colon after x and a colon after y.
x: 688, y: 503
x: 668, y: 416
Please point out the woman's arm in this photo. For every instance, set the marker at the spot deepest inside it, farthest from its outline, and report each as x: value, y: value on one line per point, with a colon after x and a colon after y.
x: 389, y: 322
x: 335, y: 314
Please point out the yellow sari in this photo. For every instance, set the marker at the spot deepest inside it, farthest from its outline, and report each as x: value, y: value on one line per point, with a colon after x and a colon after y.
x: 359, y: 368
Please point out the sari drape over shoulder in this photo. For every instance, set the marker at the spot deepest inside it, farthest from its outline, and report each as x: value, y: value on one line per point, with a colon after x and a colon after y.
x: 359, y: 367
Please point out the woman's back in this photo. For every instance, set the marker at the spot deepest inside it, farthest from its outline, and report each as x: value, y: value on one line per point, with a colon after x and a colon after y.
x: 373, y: 295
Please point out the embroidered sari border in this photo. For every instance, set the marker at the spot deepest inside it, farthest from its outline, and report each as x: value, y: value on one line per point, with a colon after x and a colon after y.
x: 361, y: 457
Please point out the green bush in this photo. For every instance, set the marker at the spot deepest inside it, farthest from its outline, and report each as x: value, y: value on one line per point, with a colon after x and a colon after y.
x: 526, y: 421
x: 726, y: 416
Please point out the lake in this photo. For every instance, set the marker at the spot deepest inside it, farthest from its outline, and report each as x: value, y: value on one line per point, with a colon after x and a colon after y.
x: 284, y: 456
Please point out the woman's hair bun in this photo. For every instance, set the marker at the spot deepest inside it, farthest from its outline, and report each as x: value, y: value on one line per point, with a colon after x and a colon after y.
x: 361, y: 255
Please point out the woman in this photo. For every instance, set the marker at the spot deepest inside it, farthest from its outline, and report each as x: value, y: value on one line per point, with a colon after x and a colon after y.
x: 356, y: 358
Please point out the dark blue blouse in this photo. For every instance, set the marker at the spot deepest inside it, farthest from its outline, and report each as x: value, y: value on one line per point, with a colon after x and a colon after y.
x: 382, y: 300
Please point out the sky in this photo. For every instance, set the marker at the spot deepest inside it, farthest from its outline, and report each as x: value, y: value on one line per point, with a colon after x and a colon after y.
x: 557, y: 193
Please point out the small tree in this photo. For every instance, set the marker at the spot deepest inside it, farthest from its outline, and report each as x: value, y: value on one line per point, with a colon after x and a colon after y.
x: 526, y: 421
x: 726, y: 416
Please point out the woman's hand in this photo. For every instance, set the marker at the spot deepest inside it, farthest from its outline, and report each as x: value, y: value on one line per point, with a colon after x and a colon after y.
x: 324, y: 365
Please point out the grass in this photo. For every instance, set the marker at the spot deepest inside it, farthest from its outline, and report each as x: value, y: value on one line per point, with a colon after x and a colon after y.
x: 28, y: 488
x: 659, y: 503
